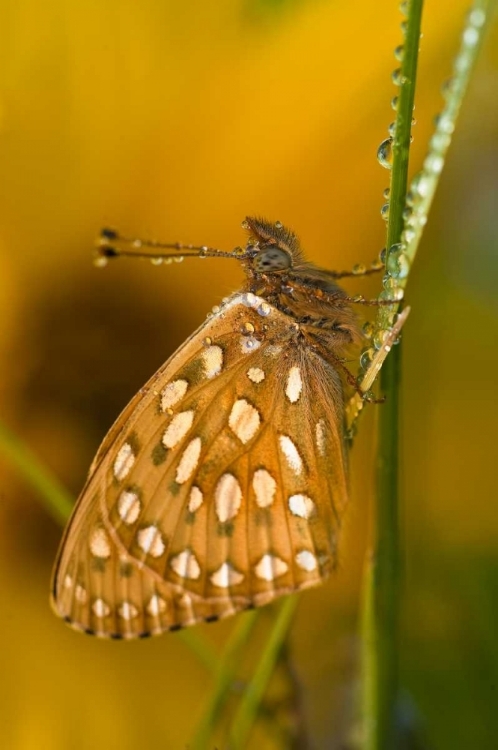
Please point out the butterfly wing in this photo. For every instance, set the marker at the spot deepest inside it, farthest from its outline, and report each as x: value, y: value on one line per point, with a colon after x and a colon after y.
x: 220, y: 487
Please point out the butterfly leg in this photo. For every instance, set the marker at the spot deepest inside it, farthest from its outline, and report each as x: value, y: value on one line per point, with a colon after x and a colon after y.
x: 359, y: 300
x: 351, y: 379
x: 342, y: 337
x: 333, y: 297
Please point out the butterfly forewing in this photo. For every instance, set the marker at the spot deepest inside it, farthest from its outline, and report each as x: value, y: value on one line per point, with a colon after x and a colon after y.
x: 219, y: 488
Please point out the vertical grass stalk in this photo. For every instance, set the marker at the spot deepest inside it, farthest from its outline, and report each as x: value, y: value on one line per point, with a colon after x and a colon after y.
x: 246, y: 714
x: 407, y: 218
x: 224, y: 680
x: 380, y: 621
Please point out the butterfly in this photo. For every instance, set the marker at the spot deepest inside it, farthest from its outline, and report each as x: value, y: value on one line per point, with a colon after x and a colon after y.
x: 222, y: 484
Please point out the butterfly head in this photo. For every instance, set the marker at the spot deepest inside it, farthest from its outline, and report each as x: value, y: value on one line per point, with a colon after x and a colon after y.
x: 273, y: 247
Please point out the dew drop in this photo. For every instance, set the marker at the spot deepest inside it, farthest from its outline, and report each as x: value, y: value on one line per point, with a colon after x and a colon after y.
x: 376, y: 264
x: 470, y: 37
x: 278, y: 225
x: 398, y: 264
x: 215, y: 309
x: 407, y: 213
x: 386, y: 193
x: 398, y: 52
x: 477, y: 18
x: 379, y: 338
x: 207, y: 341
x: 359, y: 269
x: 366, y: 357
x: 368, y: 329
x: 397, y: 77
x: 434, y: 163
x: 440, y: 141
x: 421, y: 185
x: 394, y: 102
x: 410, y: 198
x: 382, y: 256
x: 179, y: 259
x: 264, y: 309
x: 385, y: 154
x: 157, y: 261
x: 100, y: 262
x: 384, y: 211
x: 203, y: 251
x: 137, y: 244
x: 404, y: 7
x: 444, y: 123
x: 404, y: 27
x: 358, y: 298
x: 392, y: 129
x: 245, y: 224
x: 247, y: 328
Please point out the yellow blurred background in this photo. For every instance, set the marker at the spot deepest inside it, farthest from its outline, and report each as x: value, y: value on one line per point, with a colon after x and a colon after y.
x: 175, y: 120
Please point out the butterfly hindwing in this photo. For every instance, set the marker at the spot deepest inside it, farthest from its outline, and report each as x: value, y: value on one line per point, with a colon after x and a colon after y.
x: 220, y: 487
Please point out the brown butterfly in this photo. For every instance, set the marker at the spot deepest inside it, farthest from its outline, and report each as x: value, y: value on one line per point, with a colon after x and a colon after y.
x: 222, y: 484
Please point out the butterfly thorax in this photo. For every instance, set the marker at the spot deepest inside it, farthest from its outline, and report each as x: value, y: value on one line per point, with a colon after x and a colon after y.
x: 278, y: 271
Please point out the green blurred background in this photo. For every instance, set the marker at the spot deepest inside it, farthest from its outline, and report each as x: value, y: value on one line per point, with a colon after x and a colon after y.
x: 175, y: 120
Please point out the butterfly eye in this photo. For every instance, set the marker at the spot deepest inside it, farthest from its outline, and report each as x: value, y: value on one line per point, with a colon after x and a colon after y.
x: 271, y: 259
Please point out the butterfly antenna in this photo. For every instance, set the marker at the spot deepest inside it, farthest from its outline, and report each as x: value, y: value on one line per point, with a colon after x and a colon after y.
x: 111, y: 244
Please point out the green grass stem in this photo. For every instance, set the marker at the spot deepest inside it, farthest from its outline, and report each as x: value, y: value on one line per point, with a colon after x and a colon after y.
x: 225, y: 676
x: 248, y: 708
x: 380, y: 620
x: 53, y: 495
x: 58, y: 501
x: 407, y: 219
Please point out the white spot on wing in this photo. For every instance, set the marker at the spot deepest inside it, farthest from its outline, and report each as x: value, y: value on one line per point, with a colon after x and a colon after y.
x: 80, y: 594
x: 100, y: 608
x: 99, y: 543
x: 156, y: 605
x: 291, y: 454
x: 178, y: 428
x: 128, y: 506
x: 195, y: 499
x: 150, y: 541
x: 306, y: 560
x: 244, y: 420
x: 185, y: 565
x: 270, y: 567
x: 173, y: 393
x: 294, y: 384
x: 256, y: 374
x: 228, y: 497
x: 320, y: 436
x: 124, y: 461
x: 301, y: 505
x: 265, y: 487
x: 226, y: 576
x: 212, y: 358
x: 188, y: 461
x: 127, y: 611
x: 68, y: 582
